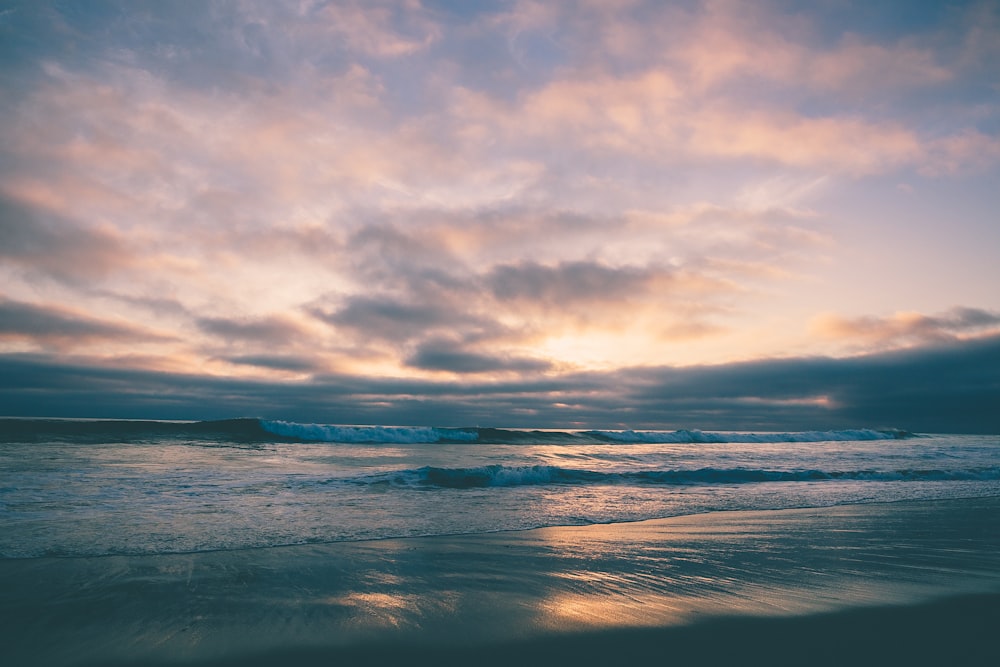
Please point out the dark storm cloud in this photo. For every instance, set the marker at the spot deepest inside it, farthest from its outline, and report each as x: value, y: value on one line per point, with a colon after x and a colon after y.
x: 154, y: 304
x: 414, y: 289
x: 386, y: 318
x: 564, y: 283
x: 420, y: 293
x: 955, y: 386
x: 950, y: 388
x: 970, y: 318
x: 387, y: 255
x: 398, y: 320
x: 448, y: 355
x: 41, y: 324
x: 274, y: 362
x: 45, y: 245
x: 904, y: 327
x: 264, y: 330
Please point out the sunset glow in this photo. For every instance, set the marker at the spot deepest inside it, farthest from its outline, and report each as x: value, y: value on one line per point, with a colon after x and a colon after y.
x: 546, y: 214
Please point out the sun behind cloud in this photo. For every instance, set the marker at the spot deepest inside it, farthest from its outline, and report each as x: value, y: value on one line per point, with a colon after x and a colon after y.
x: 284, y: 192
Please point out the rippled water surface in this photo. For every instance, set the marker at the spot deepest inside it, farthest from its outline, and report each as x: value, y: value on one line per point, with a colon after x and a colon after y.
x: 168, y: 492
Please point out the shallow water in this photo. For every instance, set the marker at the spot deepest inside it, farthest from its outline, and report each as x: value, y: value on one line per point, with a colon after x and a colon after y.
x: 279, y: 604
x: 99, y: 492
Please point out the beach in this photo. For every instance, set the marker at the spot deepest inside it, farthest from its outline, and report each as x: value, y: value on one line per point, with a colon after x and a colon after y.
x: 429, y: 332
x: 914, y: 582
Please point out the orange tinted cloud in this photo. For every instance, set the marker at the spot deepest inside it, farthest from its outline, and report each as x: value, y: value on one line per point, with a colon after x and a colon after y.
x: 540, y: 186
x: 841, y: 144
x: 66, y: 328
x: 907, y: 328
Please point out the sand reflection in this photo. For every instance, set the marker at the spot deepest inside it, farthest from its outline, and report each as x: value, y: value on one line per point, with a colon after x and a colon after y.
x: 385, y: 610
x: 673, y: 572
x: 384, y: 600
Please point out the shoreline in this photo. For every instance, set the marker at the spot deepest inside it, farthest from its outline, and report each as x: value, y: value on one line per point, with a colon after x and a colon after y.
x: 958, y: 630
x: 543, y: 590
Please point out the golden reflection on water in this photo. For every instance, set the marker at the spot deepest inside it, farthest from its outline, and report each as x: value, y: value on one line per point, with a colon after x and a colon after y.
x: 565, y: 610
x: 390, y: 610
x: 669, y: 573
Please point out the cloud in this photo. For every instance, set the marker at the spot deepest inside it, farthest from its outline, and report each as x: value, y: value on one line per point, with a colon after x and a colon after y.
x: 953, y: 387
x: 941, y: 387
x: 64, y: 327
x: 45, y: 245
x: 471, y: 274
x: 833, y: 143
x: 417, y: 188
x: 383, y: 30
x: 387, y: 256
x: 389, y: 319
x: 966, y: 150
x: 857, y: 65
x: 731, y: 81
x: 157, y: 305
x: 447, y: 355
x: 417, y: 299
x: 123, y: 141
x: 565, y: 284
x: 274, y: 330
x: 727, y: 42
x: 652, y: 118
x: 907, y: 328
x: 276, y: 362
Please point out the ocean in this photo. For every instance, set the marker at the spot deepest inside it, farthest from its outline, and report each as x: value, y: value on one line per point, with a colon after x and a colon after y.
x: 256, y: 542
x: 93, y: 488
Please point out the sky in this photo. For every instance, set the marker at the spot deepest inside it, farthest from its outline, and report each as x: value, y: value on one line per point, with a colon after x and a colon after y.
x: 774, y: 215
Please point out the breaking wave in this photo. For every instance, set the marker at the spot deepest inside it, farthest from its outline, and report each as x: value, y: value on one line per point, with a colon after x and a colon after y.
x: 541, y: 475
x: 258, y: 430
x: 399, y: 434
x: 685, y: 436
x: 370, y: 434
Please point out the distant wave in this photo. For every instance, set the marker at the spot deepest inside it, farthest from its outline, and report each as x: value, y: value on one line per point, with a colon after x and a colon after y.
x: 127, y: 431
x: 540, y: 475
x: 257, y: 430
x: 372, y: 434
x: 685, y: 436
x: 394, y: 434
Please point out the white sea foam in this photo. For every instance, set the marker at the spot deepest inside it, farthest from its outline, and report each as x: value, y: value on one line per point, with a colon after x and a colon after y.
x: 116, y: 488
x: 365, y: 434
x: 545, y: 475
x: 424, y: 434
x: 694, y: 436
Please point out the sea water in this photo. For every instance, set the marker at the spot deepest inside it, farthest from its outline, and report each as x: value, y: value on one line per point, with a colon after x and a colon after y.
x: 92, y: 488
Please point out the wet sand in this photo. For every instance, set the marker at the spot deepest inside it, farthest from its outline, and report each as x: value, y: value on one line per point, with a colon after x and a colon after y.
x: 898, y: 583
x: 953, y: 631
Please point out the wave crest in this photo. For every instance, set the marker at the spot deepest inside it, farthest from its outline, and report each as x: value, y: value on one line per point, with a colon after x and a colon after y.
x: 685, y: 436
x: 259, y: 430
x: 541, y: 475
x: 421, y: 434
x: 367, y: 434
